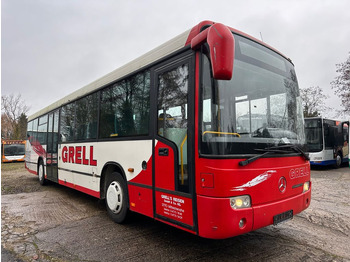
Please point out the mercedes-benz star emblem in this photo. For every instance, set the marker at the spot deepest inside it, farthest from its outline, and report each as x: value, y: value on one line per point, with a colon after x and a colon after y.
x: 282, y: 184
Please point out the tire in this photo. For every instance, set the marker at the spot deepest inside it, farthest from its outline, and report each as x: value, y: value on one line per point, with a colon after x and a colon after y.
x: 41, y: 173
x: 338, y: 160
x: 117, y: 198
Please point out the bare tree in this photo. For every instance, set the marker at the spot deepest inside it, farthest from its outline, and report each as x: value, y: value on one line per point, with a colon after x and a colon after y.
x: 13, y: 109
x: 313, y: 101
x: 6, y: 127
x: 341, y: 84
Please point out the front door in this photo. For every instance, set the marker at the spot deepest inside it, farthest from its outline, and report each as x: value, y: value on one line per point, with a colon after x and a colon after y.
x: 173, y: 172
x: 52, y: 147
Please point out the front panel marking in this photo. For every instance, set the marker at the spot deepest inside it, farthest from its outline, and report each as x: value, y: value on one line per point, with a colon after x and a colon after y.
x: 255, y: 181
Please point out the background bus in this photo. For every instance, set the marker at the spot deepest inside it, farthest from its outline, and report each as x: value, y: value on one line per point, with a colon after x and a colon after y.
x: 12, y: 150
x: 327, y: 141
x: 160, y: 136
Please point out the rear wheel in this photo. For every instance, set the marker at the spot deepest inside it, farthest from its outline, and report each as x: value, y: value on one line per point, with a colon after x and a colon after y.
x: 116, y: 198
x: 41, y: 173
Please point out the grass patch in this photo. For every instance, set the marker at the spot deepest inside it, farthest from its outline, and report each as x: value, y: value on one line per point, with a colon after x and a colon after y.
x: 12, y: 166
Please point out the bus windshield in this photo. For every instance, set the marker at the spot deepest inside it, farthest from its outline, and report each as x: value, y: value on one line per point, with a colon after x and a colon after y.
x: 258, y: 108
x: 14, y: 149
x: 313, y: 133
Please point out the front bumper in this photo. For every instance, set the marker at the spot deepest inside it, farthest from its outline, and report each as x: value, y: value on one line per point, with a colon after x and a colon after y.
x: 217, y: 220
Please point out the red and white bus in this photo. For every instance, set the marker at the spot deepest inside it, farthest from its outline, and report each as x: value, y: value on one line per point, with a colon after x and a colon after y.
x: 12, y: 150
x: 159, y: 136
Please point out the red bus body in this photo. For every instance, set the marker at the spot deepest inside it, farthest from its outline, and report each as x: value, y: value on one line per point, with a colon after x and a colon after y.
x: 267, y: 200
x: 156, y: 166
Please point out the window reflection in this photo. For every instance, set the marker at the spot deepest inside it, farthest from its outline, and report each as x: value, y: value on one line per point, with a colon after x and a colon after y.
x: 67, y: 123
x: 86, y: 117
x: 172, y: 115
x: 172, y: 100
x: 42, y: 130
x: 257, y: 108
x: 125, y: 107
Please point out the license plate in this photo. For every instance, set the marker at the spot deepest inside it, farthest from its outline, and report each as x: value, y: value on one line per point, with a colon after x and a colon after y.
x: 282, y: 217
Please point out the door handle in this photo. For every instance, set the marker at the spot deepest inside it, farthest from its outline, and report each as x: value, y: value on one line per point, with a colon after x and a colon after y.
x: 163, y: 151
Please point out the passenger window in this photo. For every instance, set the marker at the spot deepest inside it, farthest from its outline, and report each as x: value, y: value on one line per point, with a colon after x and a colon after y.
x: 42, y: 130
x: 86, y: 117
x: 67, y: 123
x: 125, y: 107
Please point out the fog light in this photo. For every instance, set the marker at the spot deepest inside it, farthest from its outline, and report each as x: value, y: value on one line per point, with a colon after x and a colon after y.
x: 242, y: 223
x: 240, y: 202
x: 306, y: 186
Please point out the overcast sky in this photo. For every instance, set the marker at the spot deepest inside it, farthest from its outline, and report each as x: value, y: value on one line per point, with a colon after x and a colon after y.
x: 51, y: 48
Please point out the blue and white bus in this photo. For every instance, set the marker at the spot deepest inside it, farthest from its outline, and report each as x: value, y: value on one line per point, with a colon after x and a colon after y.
x: 327, y: 141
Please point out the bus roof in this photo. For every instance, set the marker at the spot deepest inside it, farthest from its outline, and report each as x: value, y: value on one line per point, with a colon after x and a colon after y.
x: 161, y: 51
x: 154, y: 55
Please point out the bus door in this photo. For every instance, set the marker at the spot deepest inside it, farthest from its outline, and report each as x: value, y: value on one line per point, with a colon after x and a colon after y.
x: 52, y: 147
x: 345, y: 138
x: 173, y: 155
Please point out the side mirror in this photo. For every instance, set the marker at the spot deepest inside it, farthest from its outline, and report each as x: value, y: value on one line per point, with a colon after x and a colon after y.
x: 221, y: 45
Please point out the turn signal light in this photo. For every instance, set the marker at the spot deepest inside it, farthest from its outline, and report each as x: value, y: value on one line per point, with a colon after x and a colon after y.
x: 306, y: 186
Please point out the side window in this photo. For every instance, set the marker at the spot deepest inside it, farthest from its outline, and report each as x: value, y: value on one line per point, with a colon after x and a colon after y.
x: 30, y: 130
x: 125, y: 107
x: 42, y: 130
x: 86, y: 117
x: 329, y: 135
x: 345, y: 133
x: 67, y: 123
x: 172, y: 102
x: 173, y: 114
x: 55, y: 131
x: 35, y: 130
x: 49, y: 135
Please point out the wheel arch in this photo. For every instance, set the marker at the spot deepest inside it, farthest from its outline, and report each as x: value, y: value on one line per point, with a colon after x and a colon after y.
x: 108, y: 169
x: 40, y: 160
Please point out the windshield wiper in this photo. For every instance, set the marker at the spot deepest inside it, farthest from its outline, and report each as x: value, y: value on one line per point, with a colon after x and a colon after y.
x: 282, y: 149
x: 252, y: 159
x: 295, y: 148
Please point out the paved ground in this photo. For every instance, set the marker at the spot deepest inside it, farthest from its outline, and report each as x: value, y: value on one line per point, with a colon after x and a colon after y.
x: 54, y: 223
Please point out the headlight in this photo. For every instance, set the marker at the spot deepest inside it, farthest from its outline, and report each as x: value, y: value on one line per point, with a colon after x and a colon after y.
x: 240, y: 202
x: 306, y: 186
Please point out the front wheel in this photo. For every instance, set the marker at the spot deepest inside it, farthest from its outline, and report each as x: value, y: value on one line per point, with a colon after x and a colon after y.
x: 117, y: 198
x: 338, y: 160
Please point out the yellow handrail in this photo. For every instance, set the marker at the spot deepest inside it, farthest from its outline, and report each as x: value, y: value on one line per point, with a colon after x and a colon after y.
x: 221, y: 133
x: 182, y: 162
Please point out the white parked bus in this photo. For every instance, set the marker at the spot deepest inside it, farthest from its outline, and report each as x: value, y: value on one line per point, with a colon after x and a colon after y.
x: 327, y: 141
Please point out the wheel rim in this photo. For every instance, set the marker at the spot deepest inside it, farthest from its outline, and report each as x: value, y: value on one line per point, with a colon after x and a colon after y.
x: 115, y: 197
x: 41, y: 173
x: 338, y: 160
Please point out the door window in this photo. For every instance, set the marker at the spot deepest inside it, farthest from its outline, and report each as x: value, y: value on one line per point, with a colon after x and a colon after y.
x: 173, y: 114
